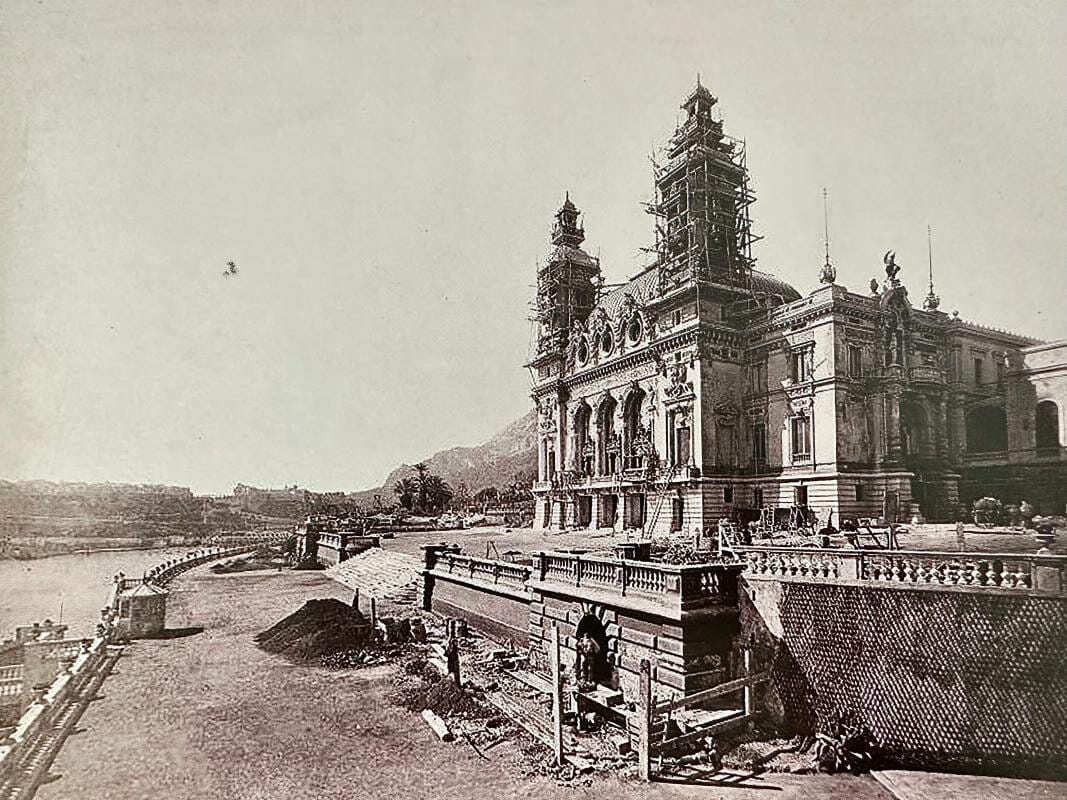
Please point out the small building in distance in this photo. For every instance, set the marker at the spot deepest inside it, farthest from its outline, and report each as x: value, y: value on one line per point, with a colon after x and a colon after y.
x: 142, y: 610
x: 703, y: 386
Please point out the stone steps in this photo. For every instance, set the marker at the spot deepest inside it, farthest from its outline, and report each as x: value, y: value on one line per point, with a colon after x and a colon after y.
x: 380, y: 574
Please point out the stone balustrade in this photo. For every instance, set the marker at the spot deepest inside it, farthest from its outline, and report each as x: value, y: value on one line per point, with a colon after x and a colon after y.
x: 686, y: 586
x: 484, y: 570
x: 1013, y: 572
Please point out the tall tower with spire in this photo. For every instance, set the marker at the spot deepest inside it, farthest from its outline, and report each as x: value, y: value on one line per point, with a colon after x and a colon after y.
x: 567, y: 283
x: 703, y: 230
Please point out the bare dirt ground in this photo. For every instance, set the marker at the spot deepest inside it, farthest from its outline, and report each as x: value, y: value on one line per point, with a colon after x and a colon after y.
x: 211, y: 716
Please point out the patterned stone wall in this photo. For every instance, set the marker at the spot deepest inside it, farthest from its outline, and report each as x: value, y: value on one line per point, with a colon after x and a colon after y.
x: 946, y: 680
x: 685, y: 656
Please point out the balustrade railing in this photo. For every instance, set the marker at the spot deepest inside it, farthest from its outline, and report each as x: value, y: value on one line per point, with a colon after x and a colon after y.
x: 689, y: 585
x: 483, y: 569
x: 977, y: 571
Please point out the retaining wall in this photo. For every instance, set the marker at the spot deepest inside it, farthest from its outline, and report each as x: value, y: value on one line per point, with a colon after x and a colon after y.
x: 943, y: 679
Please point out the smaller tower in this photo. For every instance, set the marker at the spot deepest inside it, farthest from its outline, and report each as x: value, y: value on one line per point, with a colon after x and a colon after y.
x: 566, y: 284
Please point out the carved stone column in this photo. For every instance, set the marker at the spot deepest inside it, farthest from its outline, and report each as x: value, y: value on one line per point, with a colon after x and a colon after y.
x: 941, y: 434
x: 892, y: 410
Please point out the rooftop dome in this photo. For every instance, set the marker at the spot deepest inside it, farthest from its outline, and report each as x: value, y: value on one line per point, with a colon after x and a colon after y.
x: 763, y: 283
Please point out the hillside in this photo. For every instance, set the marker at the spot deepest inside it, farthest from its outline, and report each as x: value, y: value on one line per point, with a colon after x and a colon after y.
x: 494, y: 463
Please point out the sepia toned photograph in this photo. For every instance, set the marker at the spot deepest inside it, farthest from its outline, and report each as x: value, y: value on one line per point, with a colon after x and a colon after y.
x: 629, y: 400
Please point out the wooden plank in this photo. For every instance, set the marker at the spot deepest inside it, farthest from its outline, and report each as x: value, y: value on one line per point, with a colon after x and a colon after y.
x: 714, y: 691
x: 700, y: 733
x: 644, y: 722
x: 557, y: 699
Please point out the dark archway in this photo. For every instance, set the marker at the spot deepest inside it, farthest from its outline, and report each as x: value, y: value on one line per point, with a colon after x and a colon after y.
x: 583, y: 448
x: 634, y: 434
x: 1047, y: 427
x: 606, y: 450
x: 591, y: 624
x: 987, y: 430
x: 915, y: 440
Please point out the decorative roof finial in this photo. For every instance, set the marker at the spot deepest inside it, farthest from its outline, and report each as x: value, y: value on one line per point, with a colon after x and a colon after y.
x: 828, y: 274
x: 932, y: 301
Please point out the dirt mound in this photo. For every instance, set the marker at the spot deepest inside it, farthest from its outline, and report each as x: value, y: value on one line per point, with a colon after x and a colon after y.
x: 320, y: 628
x: 419, y: 686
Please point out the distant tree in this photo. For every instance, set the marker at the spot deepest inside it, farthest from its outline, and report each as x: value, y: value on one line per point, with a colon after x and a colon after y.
x: 462, y: 496
x: 437, y: 493
x: 407, y: 492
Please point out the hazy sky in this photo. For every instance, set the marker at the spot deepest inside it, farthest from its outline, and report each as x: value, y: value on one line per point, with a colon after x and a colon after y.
x: 384, y: 175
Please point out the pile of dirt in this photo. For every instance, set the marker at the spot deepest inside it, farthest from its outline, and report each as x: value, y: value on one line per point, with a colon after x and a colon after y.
x: 419, y: 686
x: 364, y: 657
x: 321, y: 628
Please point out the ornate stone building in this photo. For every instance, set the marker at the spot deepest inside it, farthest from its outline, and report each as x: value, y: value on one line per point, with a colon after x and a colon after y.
x: 703, y: 385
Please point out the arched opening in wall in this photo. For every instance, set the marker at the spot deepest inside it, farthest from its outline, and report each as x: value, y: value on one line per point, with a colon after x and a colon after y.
x: 1047, y: 427
x: 914, y: 431
x: 591, y: 626
x: 635, y: 436
x: 987, y: 430
x: 583, y: 444
x: 607, y: 447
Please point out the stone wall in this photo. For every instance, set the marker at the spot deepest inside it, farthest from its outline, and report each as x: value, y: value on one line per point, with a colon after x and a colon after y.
x: 942, y: 679
x: 499, y: 614
x: 686, y: 655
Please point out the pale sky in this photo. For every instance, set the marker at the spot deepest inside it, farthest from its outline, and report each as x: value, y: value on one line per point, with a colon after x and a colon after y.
x: 384, y: 175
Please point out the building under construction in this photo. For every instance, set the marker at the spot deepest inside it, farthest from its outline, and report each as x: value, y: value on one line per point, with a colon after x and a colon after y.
x: 703, y: 386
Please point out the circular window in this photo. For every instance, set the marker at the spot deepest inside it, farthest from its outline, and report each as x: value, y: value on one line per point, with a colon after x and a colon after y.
x: 633, y: 329
x: 583, y: 351
x: 607, y: 342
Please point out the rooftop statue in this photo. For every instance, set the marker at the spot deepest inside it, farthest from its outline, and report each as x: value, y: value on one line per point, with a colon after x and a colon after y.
x: 891, y: 268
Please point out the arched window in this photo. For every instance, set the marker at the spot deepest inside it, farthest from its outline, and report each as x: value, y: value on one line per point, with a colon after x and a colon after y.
x: 607, y: 450
x: 987, y: 430
x: 1047, y: 427
x: 634, y: 433
x: 583, y: 446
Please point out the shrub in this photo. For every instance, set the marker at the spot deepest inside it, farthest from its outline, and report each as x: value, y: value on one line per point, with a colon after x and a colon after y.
x: 988, y: 511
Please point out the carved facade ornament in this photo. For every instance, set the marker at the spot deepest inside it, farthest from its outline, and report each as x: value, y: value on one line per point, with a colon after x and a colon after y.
x: 801, y: 398
x: 547, y: 422
x: 726, y: 412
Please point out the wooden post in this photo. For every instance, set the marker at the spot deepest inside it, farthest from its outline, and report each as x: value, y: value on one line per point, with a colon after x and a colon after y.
x: 557, y: 698
x: 749, y: 705
x: 355, y: 600
x: 373, y: 612
x: 644, y: 722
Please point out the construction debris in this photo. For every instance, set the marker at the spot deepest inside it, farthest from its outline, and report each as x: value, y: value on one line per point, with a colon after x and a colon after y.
x: 437, y: 725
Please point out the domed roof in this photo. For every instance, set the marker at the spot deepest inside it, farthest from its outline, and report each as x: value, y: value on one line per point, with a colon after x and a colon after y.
x: 762, y: 283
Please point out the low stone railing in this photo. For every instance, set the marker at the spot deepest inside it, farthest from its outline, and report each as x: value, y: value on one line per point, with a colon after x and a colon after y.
x: 1043, y: 574
x: 685, y: 585
x: 483, y: 569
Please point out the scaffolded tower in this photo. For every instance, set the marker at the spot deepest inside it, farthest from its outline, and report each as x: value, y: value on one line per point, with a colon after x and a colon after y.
x: 567, y: 284
x: 703, y: 229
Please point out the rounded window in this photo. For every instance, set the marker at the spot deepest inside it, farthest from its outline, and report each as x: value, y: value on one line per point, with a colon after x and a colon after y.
x: 583, y: 351
x: 633, y: 329
x: 607, y: 341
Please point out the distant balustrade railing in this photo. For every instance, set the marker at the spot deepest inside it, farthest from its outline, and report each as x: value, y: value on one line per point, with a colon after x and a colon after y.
x: 1018, y: 572
x: 689, y: 585
x: 924, y: 373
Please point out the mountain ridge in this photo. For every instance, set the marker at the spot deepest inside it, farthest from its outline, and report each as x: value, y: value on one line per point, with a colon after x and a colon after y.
x: 510, y: 451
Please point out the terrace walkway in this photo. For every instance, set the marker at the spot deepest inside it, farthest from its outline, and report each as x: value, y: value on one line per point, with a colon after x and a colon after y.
x: 211, y: 716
